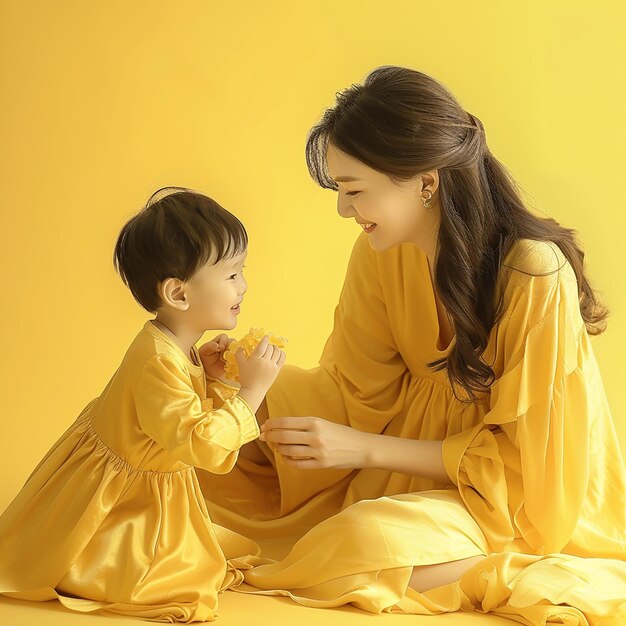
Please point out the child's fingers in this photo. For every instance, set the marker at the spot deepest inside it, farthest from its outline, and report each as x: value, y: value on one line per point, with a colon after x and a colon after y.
x: 225, y: 342
x: 209, y: 347
x: 219, y: 340
x: 269, y: 351
x: 262, y: 346
x: 282, y: 358
x: 277, y: 354
x: 240, y: 355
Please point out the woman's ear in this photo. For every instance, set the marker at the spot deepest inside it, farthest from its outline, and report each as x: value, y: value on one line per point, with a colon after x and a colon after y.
x: 430, y: 181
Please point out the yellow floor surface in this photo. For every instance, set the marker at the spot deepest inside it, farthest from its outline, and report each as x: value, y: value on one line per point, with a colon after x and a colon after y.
x: 237, y: 609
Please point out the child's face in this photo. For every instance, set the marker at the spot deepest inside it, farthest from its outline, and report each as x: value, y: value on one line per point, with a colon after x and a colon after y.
x: 213, y: 292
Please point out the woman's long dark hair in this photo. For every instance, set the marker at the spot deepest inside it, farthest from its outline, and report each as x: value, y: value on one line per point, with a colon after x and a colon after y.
x: 402, y: 122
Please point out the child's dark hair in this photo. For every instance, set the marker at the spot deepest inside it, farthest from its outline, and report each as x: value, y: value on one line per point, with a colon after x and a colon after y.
x: 176, y: 233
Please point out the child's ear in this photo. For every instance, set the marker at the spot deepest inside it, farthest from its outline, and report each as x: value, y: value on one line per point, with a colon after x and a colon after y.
x: 173, y: 293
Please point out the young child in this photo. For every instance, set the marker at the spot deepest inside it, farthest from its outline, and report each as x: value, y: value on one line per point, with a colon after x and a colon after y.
x: 113, y: 518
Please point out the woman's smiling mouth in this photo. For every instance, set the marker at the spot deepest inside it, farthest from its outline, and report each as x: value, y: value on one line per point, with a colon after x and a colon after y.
x: 368, y: 227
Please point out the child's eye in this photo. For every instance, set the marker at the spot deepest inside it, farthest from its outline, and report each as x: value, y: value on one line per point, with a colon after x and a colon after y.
x: 243, y: 267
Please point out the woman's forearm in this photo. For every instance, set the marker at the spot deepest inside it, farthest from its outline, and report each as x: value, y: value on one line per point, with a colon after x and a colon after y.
x: 416, y: 457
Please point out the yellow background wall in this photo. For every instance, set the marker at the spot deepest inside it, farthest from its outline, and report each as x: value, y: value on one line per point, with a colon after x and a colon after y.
x: 103, y: 102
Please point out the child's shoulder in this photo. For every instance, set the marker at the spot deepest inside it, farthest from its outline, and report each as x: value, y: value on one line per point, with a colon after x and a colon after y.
x: 149, y: 347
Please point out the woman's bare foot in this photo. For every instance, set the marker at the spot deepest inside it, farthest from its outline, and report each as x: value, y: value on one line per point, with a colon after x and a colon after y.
x: 427, y: 577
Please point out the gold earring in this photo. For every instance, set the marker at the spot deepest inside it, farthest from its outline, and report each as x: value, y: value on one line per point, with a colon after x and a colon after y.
x: 428, y: 198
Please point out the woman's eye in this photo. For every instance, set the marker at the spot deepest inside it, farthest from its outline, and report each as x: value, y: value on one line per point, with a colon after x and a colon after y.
x: 348, y: 193
x: 233, y: 276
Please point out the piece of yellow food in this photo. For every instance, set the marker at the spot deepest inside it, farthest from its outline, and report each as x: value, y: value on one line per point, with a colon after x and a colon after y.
x: 248, y: 342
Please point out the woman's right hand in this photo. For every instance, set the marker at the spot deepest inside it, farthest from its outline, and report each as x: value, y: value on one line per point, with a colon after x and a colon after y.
x: 259, y: 370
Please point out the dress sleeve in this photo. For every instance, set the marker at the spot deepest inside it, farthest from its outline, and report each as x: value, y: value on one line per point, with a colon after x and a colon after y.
x: 172, y: 413
x: 362, y: 379
x: 220, y: 390
x: 361, y: 353
x: 523, y: 471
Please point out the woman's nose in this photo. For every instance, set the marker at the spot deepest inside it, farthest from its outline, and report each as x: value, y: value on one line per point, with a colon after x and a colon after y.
x: 345, y: 210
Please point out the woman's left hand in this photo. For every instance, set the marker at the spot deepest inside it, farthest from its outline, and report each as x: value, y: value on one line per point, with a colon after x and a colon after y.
x: 314, y: 442
x: 211, y: 355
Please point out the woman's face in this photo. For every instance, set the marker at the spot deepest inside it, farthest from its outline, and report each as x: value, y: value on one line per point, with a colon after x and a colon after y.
x: 371, y: 197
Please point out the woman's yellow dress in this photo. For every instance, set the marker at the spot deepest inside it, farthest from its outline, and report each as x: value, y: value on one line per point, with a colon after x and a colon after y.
x: 537, y: 481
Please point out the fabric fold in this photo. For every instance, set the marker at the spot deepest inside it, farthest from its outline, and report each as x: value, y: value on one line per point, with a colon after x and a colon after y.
x: 537, y: 483
x: 113, y: 518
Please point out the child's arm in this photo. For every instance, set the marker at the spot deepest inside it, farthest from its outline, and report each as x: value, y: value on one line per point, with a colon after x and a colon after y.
x: 173, y: 414
x: 221, y: 389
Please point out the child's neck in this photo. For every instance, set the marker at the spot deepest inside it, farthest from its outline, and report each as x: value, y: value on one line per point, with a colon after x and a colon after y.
x: 182, y: 336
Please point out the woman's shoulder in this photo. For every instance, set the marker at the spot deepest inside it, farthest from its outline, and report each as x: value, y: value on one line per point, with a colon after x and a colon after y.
x: 536, y: 279
x: 531, y: 256
x: 538, y: 264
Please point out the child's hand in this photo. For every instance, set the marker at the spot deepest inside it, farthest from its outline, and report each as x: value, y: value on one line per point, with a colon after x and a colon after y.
x: 260, y: 369
x: 211, y: 355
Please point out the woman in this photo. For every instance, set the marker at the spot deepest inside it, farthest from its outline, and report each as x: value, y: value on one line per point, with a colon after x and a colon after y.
x: 454, y: 449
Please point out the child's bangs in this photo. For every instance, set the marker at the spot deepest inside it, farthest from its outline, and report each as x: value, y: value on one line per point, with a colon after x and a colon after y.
x: 222, y: 240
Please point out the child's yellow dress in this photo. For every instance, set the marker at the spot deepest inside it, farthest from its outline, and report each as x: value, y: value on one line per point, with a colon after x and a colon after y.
x: 536, y: 478
x: 113, y: 517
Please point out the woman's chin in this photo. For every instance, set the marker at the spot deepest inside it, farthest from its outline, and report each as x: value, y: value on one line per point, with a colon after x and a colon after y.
x: 380, y: 244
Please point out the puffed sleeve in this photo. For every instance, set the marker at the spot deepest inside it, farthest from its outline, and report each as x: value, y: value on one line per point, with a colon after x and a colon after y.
x: 171, y: 412
x: 362, y: 379
x: 523, y: 471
